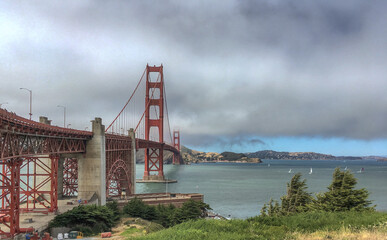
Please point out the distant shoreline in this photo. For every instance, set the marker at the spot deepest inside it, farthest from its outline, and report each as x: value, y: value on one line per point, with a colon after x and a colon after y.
x: 227, y: 161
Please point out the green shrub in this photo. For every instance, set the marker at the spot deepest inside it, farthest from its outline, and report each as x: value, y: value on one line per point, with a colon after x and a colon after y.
x: 135, y: 208
x: 113, y: 206
x: 166, y: 216
x: 90, y: 219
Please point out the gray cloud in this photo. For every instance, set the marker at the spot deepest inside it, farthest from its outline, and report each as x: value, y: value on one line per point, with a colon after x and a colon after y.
x: 225, y: 142
x: 232, y: 68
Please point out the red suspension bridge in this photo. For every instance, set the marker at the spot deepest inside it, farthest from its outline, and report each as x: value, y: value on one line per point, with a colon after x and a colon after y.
x: 40, y: 163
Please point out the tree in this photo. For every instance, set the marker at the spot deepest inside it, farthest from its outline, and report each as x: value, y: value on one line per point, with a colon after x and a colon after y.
x: 271, y: 209
x: 135, y: 208
x: 342, y: 195
x: 296, y: 199
x: 91, y: 219
x: 165, y: 215
x: 113, y: 206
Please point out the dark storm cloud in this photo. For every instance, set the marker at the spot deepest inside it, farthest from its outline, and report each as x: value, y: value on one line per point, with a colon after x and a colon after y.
x: 225, y: 142
x: 232, y: 68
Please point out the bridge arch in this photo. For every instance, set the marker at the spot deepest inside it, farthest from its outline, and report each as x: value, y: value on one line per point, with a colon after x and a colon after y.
x: 118, y: 179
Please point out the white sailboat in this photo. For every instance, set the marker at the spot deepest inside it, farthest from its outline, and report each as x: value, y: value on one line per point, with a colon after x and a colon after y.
x: 346, y: 168
x: 311, y: 171
x: 290, y: 170
x: 361, y: 170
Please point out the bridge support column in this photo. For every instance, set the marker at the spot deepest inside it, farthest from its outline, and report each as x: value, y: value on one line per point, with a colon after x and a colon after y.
x: 133, y: 159
x: 176, y: 144
x: 154, y: 156
x: 54, y: 183
x: 92, y: 168
x: 60, y: 177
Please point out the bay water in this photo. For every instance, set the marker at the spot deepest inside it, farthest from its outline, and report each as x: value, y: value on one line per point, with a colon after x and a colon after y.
x: 241, y: 189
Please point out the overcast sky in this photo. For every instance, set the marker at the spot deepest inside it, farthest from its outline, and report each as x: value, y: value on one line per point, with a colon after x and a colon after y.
x: 240, y: 75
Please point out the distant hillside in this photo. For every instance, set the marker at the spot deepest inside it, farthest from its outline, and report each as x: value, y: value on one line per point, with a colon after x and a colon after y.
x: 233, y: 156
x: 269, y: 154
x: 193, y: 156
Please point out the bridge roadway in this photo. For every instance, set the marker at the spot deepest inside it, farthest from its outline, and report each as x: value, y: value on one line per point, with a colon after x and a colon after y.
x: 105, y: 165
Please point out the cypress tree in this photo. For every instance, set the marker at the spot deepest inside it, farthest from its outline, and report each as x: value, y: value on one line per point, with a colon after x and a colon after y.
x: 342, y: 195
x: 297, y: 199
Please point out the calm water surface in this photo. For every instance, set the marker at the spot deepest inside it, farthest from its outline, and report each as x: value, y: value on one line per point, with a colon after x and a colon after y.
x: 241, y: 189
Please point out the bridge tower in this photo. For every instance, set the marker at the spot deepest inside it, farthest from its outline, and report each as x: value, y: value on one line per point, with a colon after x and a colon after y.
x: 154, y: 155
x: 176, y: 144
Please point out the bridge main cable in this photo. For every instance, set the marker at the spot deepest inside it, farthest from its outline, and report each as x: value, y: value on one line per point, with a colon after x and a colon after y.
x: 138, y: 84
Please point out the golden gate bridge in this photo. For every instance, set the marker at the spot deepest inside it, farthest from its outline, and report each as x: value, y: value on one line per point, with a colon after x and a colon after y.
x: 40, y: 163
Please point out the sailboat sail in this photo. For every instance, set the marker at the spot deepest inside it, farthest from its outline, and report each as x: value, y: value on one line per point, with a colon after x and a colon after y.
x: 361, y: 170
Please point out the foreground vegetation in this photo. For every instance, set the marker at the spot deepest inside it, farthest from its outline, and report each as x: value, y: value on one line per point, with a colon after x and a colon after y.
x: 89, y: 219
x: 340, y: 197
x: 297, y: 226
x: 92, y: 219
x: 166, y: 216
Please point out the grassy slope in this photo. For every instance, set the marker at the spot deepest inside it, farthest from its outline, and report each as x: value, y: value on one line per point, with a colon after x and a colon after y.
x: 298, y: 226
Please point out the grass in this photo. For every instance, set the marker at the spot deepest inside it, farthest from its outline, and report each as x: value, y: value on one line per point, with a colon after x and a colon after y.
x: 314, y: 225
x: 130, y: 231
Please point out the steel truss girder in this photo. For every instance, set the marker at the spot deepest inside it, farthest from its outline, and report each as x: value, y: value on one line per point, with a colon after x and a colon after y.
x: 10, y: 191
x: 16, y: 144
x: 13, y: 123
x: 70, y: 177
x: 39, y: 183
x: 118, y: 165
x: 27, y: 185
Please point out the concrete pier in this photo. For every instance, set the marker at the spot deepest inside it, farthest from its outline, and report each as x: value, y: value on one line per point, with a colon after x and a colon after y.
x: 92, y: 167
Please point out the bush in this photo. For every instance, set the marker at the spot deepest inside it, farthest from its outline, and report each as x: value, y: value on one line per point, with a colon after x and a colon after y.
x: 90, y: 219
x: 113, y: 206
x: 135, y: 208
x: 166, y: 216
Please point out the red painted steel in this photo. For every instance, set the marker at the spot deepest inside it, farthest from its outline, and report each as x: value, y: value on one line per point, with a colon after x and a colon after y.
x: 154, y: 156
x: 38, y: 184
x: 70, y: 177
x: 118, y: 165
x: 31, y: 150
x: 54, y: 183
x: 176, y: 143
x: 10, y: 198
x: 22, y: 137
x: 21, y: 141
